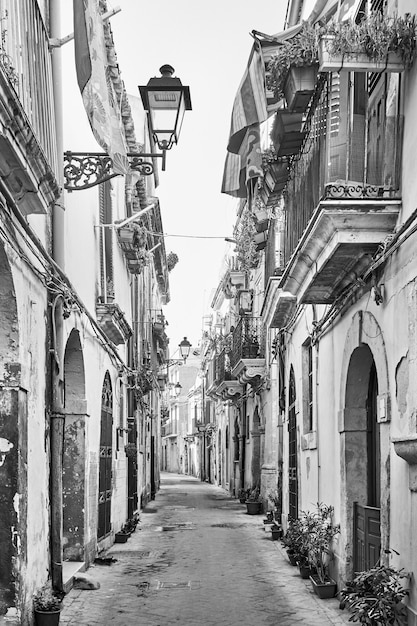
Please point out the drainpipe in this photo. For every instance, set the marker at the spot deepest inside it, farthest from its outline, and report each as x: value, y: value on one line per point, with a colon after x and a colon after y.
x: 316, y: 366
x: 294, y: 12
x: 56, y: 404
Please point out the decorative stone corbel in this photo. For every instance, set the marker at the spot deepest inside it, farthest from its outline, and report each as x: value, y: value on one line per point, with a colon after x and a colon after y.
x: 406, y: 448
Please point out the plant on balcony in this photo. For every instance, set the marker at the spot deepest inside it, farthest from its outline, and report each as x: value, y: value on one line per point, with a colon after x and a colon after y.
x: 375, y: 37
x: 172, y: 260
x: 246, y: 253
x: 250, y: 344
x: 6, y: 61
x: 300, y: 53
x: 145, y: 380
x: 109, y: 290
x: 141, y: 260
x: 131, y: 450
x: 376, y: 596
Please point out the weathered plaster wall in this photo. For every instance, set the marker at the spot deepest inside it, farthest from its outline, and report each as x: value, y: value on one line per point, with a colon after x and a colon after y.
x: 25, y: 535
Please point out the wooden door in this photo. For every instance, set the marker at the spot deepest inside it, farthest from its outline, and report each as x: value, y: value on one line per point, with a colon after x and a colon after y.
x: 367, y: 537
x: 132, y: 471
x: 106, y: 458
x: 292, y: 451
x: 367, y: 528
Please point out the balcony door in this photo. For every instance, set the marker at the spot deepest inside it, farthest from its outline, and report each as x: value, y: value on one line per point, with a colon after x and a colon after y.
x: 376, y: 133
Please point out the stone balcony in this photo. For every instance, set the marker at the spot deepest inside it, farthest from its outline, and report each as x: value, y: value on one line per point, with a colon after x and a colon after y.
x: 113, y: 322
x: 348, y: 227
x: 247, y: 358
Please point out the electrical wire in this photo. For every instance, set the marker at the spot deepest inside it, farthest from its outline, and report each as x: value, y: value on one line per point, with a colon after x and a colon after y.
x: 189, y: 236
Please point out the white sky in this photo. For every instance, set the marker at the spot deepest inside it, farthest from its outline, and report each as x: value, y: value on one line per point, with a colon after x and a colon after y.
x: 208, y: 44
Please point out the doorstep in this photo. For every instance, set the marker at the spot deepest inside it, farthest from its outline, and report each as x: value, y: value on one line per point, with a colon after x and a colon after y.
x: 69, y: 569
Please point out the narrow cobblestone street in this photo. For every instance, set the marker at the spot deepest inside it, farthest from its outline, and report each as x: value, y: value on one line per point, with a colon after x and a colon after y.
x: 195, y: 559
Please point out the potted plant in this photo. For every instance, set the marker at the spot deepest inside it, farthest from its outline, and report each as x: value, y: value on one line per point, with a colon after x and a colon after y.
x: 320, y: 535
x: 293, y: 69
x: 378, y: 43
x: 276, y: 532
x: 47, y: 606
x: 122, y: 535
x: 292, y: 540
x: 269, y: 519
x: 253, y: 502
x: 376, y: 596
x: 275, y: 498
x: 243, y: 494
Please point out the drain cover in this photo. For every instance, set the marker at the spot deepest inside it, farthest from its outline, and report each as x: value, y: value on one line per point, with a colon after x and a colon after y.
x: 231, y: 525
x: 178, y: 527
x: 178, y: 507
x: 177, y: 585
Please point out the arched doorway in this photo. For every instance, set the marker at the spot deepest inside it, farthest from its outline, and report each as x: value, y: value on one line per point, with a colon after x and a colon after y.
x: 292, y: 450
x: 13, y: 432
x: 74, y: 459
x: 364, y: 466
x: 365, y: 447
x: 106, y: 458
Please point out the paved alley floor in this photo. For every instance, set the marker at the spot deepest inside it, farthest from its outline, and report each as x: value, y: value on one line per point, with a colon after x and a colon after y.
x: 197, y: 559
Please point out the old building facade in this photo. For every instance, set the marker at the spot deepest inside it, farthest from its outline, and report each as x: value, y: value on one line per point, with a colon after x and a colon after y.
x: 84, y: 277
x: 314, y: 361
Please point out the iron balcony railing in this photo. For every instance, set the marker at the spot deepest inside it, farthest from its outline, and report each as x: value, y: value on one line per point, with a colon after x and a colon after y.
x: 25, y: 62
x: 351, y: 151
x: 248, y: 340
x: 223, y: 367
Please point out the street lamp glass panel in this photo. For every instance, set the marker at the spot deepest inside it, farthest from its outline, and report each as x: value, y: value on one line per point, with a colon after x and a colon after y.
x: 178, y: 388
x: 167, y: 120
x: 185, y: 347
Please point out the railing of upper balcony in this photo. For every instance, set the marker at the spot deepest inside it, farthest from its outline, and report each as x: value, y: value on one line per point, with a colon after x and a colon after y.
x: 248, y: 340
x: 223, y: 369
x: 352, y: 150
x: 25, y: 62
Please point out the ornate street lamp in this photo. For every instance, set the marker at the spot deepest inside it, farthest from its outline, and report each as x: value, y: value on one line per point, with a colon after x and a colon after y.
x: 185, y: 347
x: 165, y: 99
x: 178, y: 388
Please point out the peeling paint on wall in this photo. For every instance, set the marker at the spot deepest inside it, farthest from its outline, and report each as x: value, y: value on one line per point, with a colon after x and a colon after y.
x: 401, y: 385
x: 5, y: 447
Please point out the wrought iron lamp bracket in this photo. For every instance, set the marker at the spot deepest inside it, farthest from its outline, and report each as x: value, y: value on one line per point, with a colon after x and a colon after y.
x: 83, y: 170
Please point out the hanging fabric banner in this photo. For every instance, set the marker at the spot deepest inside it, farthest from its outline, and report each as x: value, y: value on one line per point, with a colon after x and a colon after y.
x: 95, y: 82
